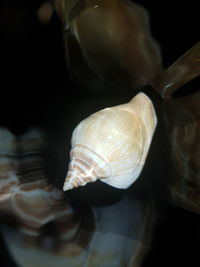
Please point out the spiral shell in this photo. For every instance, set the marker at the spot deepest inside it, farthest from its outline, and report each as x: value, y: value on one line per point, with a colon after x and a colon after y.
x: 112, y: 144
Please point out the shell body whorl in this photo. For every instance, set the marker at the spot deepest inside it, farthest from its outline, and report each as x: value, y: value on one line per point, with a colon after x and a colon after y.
x: 112, y: 144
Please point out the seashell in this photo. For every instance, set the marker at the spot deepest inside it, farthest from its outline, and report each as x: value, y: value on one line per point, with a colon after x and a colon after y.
x: 29, y: 205
x: 112, y: 144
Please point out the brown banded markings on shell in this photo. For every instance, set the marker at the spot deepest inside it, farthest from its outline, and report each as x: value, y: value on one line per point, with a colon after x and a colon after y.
x: 112, y: 144
x: 86, y: 165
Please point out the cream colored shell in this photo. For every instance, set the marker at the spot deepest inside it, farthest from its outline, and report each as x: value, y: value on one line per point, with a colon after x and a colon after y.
x: 112, y: 144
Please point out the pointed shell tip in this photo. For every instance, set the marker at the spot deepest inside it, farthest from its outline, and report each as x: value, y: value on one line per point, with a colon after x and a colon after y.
x: 65, y: 187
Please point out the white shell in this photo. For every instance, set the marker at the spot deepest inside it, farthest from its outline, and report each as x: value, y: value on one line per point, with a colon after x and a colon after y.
x: 112, y: 144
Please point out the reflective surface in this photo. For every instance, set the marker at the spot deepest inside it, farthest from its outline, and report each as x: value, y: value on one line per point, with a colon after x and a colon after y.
x: 66, y: 61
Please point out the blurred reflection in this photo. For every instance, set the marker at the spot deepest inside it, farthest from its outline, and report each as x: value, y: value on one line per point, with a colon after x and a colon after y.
x: 184, y: 133
x: 44, y: 229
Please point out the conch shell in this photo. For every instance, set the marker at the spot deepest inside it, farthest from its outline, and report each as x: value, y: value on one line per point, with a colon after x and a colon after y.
x: 112, y: 144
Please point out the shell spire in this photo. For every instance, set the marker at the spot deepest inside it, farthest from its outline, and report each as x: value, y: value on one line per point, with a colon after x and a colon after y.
x: 85, y: 166
x: 79, y: 174
x: 112, y: 144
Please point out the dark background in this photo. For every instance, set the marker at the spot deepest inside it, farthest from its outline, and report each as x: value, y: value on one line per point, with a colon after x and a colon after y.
x: 35, y: 85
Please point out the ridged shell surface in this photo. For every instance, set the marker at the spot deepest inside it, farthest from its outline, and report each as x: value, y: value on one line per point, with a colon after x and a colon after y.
x: 86, y: 166
x: 115, y: 142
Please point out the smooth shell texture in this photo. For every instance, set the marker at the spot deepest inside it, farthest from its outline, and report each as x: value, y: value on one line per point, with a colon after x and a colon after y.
x: 112, y: 144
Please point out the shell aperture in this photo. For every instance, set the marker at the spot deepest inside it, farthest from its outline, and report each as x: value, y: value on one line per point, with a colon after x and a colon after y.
x: 112, y: 144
